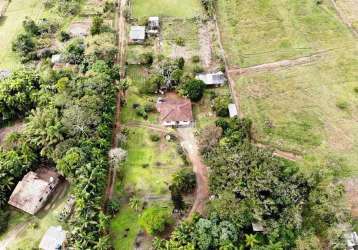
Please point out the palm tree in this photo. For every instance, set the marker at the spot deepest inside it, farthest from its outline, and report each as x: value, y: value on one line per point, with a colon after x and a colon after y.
x: 134, y: 203
x: 251, y: 240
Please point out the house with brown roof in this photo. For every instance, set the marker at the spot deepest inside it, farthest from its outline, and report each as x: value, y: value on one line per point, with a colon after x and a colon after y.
x: 175, y: 112
x: 32, y: 192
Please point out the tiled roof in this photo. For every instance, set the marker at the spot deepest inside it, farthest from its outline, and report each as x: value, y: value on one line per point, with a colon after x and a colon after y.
x: 175, y: 110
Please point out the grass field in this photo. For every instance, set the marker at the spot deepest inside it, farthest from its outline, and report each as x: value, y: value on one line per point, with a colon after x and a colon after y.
x: 11, y: 25
x: 147, y: 173
x: 261, y: 31
x: 310, y: 109
x: 172, y: 8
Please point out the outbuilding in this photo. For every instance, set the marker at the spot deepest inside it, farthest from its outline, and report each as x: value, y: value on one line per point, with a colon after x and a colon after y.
x: 175, y: 112
x: 4, y: 73
x: 32, y: 192
x: 232, y: 110
x: 153, y: 25
x: 212, y: 79
x: 137, y: 34
x: 54, y: 239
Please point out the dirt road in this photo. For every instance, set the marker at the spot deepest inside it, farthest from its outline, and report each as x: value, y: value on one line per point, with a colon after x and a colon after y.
x: 122, y: 45
x: 188, y: 142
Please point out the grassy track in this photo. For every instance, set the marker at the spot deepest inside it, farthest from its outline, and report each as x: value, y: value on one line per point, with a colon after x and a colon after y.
x: 261, y: 31
x: 11, y: 25
x: 172, y: 8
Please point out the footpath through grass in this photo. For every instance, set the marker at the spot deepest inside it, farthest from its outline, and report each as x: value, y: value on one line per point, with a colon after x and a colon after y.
x: 11, y: 25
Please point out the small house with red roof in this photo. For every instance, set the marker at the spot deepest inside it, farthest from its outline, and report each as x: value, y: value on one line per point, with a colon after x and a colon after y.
x: 175, y: 112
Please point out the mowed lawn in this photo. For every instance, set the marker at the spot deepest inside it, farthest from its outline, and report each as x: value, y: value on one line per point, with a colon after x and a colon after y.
x: 169, y: 8
x: 11, y: 25
x: 261, y: 31
x: 308, y: 109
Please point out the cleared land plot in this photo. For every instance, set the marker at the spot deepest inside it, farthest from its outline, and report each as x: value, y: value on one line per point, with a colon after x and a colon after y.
x: 309, y: 109
x: 11, y: 25
x: 261, y: 31
x: 172, y: 8
x: 147, y: 174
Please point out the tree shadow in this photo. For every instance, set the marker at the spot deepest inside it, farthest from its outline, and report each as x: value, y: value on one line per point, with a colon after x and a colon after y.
x: 2, y: 20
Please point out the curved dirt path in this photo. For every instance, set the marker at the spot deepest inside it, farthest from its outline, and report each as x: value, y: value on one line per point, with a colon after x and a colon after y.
x: 188, y: 142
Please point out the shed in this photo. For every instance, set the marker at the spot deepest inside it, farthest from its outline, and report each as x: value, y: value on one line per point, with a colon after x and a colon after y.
x: 352, y: 240
x: 175, y: 112
x: 32, y: 192
x: 257, y: 227
x: 153, y: 25
x: 4, y: 73
x: 54, y: 239
x: 57, y: 58
x: 212, y: 79
x: 137, y: 34
x: 232, y: 110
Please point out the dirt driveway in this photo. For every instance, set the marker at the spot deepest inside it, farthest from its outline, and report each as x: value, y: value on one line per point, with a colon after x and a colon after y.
x: 188, y: 142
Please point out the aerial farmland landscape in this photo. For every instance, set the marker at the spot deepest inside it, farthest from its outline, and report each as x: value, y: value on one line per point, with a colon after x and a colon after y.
x: 178, y: 124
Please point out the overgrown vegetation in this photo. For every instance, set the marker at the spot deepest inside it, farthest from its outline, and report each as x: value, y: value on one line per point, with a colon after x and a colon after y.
x: 252, y: 186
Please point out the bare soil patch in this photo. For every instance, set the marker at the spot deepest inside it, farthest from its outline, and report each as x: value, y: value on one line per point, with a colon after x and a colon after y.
x: 7, y: 130
x: 205, y: 45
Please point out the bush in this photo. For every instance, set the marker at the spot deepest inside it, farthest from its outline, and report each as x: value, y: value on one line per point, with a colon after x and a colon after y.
x: 146, y: 58
x: 23, y: 44
x: 97, y: 23
x: 155, y: 219
x: 180, y: 62
x: 221, y: 105
x: 343, y: 105
x: 141, y: 112
x: 180, y: 41
x: 74, y: 52
x: 64, y: 36
x: 152, y: 85
x: 184, y: 180
x: 195, y: 59
x: 355, y: 90
x: 113, y: 206
x: 154, y: 137
x: 194, y: 89
x: 149, y: 107
x: 198, y: 69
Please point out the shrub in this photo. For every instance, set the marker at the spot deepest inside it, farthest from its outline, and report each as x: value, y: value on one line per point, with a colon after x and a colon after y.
x: 97, y: 23
x: 152, y: 84
x: 64, y: 36
x: 343, y: 105
x: 23, y: 44
x: 146, y: 58
x: 197, y: 69
x: 180, y: 41
x: 355, y: 90
x: 141, y: 112
x: 74, y: 52
x: 113, y: 206
x: 154, y: 219
x: 221, y: 105
x: 180, y: 62
x: 193, y: 89
x: 184, y: 180
x: 195, y: 59
x: 149, y: 107
x: 154, y: 137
